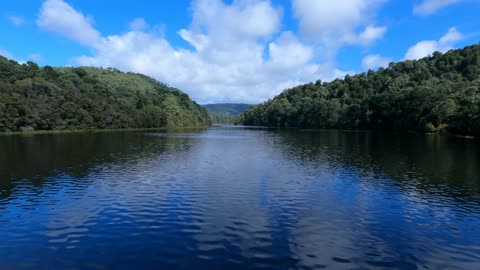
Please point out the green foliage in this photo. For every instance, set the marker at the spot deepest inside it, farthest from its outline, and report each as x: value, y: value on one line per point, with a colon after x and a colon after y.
x: 34, y: 98
x: 223, y: 118
x: 436, y: 93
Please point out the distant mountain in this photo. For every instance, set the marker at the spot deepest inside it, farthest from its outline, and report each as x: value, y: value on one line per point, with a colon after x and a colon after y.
x: 226, y: 113
x: 227, y: 108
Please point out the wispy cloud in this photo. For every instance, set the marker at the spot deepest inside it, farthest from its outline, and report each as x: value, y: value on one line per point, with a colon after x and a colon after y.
x: 138, y: 24
x: 6, y: 54
x: 35, y: 57
x: 428, y: 7
x: 59, y: 17
x: 16, y: 20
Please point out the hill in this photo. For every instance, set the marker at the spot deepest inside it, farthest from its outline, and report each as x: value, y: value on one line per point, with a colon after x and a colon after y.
x: 227, y: 108
x: 226, y: 113
x: 36, y: 98
x: 433, y: 94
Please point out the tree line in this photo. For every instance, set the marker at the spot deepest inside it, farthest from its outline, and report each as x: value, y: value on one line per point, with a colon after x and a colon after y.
x: 439, y: 93
x: 47, y: 98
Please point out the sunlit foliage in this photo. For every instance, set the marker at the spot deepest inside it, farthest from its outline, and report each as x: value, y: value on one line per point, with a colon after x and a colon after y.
x: 35, y: 98
x: 434, y: 94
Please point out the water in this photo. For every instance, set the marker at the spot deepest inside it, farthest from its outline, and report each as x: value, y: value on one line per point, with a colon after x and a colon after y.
x: 238, y: 198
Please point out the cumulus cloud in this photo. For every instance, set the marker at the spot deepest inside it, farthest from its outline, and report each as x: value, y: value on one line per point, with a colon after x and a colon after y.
x: 212, y: 72
x: 236, y: 56
x: 59, y: 17
x: 338, y: 21
x: 238, y: 51
x: 288, y: 53
x: 427, y: 47
x: 428, y: 7
x: 247, y: 18
x: 16, y: 20
x: 375, y: 61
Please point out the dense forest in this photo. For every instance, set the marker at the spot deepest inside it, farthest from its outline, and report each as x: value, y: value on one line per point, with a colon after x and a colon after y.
x: 46, y: 98
x: 226, y: 113
x: 440, y: 93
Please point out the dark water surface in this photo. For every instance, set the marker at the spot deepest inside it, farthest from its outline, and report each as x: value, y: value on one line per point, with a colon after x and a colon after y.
x: 237, y: 198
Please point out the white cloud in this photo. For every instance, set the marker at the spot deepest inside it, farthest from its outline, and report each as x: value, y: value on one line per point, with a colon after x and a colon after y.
x: 238, y: 52
x: 374, y: 61
x: 248, y: 18
x: 235, y: 57
x: 59, y: 17
x: 427, y: 47
x: 288, y: 53
x: 16, y: 20
x: 428, y: 7
x: 450, y: 37
x: 138, y: 24
x: 370, y: 34
x: 336, y: 22
x: 213, y: 73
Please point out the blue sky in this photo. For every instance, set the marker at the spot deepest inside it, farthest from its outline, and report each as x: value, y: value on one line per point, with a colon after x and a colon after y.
x: 235, y: 51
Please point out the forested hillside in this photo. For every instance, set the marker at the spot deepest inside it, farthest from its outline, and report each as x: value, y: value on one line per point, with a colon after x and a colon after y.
x: 437, y: 93
x: 226, y: 113
x: 35, y: 98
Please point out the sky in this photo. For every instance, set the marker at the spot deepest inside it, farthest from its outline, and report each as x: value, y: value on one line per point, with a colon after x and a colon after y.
x: 235, y: 50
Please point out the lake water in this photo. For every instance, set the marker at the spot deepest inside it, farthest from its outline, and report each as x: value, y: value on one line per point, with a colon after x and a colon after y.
x: 238, y: 198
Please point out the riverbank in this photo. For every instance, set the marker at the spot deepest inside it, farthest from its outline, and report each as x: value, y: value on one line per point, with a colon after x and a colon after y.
x: 69, y: 131
x: 366, y: 130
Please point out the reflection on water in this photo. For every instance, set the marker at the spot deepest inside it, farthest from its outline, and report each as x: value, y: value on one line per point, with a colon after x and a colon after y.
x: 236, y: 198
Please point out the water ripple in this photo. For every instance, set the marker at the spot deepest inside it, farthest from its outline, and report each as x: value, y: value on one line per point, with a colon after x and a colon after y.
x: 233, y: 198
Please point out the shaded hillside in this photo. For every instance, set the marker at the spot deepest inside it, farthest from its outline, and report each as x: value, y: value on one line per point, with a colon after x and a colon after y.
x: 437, y: 93
x: 226, y: 113
x: 227, y: 108
x: 34, y: 98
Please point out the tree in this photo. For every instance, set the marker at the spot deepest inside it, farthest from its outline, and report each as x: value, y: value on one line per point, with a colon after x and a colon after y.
x: 435, y: 93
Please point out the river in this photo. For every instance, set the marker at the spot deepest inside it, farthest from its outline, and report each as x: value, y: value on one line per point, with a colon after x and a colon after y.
x: 237, y: 198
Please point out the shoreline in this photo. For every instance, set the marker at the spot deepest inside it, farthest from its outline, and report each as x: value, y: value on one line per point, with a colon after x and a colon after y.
x: 72, y: 131
x: 446, y: 134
